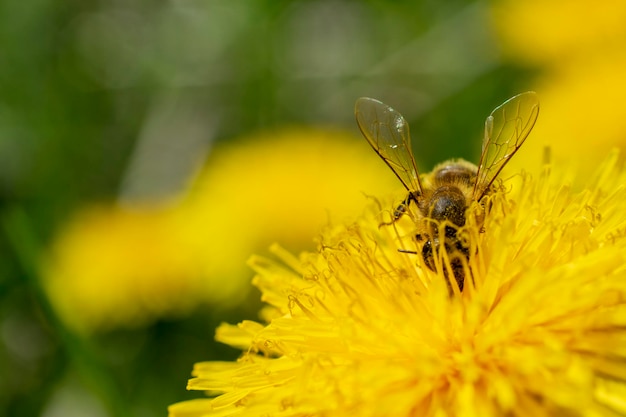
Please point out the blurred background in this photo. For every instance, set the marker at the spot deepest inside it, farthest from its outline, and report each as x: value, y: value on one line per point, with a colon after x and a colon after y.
x: 147, y: 149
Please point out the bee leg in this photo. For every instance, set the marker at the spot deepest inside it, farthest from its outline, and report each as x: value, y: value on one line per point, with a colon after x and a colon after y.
x: 402, y: 208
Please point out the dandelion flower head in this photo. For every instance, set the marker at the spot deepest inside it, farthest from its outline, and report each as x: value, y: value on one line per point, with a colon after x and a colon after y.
x: 360, y: 328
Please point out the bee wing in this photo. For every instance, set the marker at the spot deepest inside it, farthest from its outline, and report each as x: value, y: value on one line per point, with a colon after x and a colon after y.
x: 388, y: 133
x: 506, y: 129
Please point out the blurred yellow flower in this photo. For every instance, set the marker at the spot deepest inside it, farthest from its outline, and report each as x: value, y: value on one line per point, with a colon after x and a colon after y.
x: 124, y: 266
x: 358, y: 328
x: 580, y: 52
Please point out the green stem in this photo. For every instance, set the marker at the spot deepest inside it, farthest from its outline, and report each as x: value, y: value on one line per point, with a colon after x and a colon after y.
x: 92, y: 369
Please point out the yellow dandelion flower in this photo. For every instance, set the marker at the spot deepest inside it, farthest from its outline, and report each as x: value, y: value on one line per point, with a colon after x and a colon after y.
x: 561, y: 29
x: 361, y: 328
x: 113, y: 266
x: 579, y: 54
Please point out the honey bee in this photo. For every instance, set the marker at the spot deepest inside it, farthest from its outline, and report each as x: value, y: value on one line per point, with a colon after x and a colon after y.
x: 443, y: 199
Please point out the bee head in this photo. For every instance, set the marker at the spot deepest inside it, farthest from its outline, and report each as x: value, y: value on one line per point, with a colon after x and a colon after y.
x: 448, y: 203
